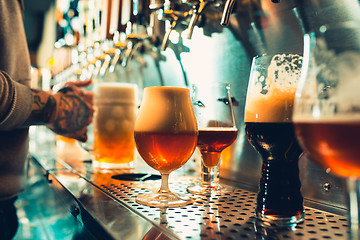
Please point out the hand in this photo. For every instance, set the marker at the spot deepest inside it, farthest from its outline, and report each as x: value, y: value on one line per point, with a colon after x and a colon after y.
x: 74, y: 111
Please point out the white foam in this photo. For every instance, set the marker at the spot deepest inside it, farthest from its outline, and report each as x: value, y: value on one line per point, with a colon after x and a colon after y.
x: 166, y: 109
x: 271, y: 99
x: 331, y: 90
x: 115, y: 92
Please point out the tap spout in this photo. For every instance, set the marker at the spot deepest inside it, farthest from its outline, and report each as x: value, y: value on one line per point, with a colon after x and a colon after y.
x: 229, y: 5
x: 167, y: 35
x: 195, y: 16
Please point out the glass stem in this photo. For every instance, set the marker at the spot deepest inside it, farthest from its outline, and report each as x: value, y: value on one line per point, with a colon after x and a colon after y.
x: 210, y: 176
x: 164, y: 183
x: 353, y: 185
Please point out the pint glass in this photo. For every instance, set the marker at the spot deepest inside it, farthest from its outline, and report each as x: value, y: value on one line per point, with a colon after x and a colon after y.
x: 269, y: 128
x: 113, y: 129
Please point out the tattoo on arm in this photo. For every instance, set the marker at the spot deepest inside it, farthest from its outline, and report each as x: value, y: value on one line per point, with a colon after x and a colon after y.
x: 68, y: 120
x: 43, y: 108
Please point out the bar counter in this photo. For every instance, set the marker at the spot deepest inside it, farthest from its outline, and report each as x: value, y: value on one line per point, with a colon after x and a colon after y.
x: 103, y: 203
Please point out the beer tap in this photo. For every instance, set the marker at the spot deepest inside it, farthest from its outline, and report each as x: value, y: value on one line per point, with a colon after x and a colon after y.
x: 198, y: 10
x: 175, y: 17
x: 119, y: 49
x: 132, y: 41
x: 229, y: 5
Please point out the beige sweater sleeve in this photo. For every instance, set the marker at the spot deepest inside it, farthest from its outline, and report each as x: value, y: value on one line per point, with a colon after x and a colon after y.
x: 15, y: 103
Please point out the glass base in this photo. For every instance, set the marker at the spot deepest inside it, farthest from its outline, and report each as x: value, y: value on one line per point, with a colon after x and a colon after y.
x: 276, y: 221
x: 202, y: 190
x: 163, y: 199
x: 103, y: 165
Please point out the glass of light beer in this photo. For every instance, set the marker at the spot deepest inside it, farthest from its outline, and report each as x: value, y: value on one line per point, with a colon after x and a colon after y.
x: 165, y: 136
x: 269, y: 129
x: 113, y: 126
x: 327, y: 106
x: 214, y: 113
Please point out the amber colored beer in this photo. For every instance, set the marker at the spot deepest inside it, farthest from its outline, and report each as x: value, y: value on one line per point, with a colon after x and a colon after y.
x: 332, y: 144
x: 212, y: 141
x: 114, y: 121
x: 114, y: 147
x: 163, y: 151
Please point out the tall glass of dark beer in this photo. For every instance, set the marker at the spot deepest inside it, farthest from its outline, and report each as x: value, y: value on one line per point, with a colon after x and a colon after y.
x: 327, y: 107
x: 270, y: 130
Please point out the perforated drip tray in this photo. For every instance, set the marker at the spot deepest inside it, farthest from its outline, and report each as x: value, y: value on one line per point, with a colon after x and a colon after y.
x: 223, y: 216
x: 136, y: 177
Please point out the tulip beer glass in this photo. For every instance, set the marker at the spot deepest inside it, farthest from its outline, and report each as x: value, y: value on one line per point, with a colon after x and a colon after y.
x: 217, y: 130
x: 165, y: 136
x: 327, y: 106
x: 269, y: 128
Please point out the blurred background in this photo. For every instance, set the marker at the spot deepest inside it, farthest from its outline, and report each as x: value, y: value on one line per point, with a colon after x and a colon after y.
x: 178, y: 43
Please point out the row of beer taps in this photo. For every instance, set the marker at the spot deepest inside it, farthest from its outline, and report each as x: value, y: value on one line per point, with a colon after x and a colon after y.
x: 190, y: 13
x: 182, y: 15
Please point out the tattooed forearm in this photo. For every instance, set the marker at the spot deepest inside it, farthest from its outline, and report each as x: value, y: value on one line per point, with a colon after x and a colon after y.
x: 67, y: 112
x: 43, y: 108
x: 69, y: 121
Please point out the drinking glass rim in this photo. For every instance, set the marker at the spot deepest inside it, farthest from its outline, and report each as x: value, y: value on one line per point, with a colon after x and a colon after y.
x: 271, y: 54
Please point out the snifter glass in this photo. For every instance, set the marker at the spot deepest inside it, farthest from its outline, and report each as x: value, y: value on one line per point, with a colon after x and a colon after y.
x: 327, y: 106
x: 165, y: 136
x: 213, y: 108
x: 269, y: 129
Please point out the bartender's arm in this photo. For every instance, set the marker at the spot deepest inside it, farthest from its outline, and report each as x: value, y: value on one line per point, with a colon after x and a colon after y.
x: 67, y: 112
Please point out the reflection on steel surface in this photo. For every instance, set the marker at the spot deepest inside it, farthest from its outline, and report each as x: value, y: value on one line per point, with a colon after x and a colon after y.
x: 223, y: 216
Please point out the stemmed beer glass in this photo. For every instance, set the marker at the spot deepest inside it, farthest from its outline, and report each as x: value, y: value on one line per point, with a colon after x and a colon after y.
x: 217, y: 130
x: 327, y: 106
x: 165, y: 136
x: 269, y: 129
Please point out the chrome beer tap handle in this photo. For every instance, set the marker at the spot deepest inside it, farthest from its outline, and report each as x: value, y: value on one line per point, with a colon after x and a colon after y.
x: 167, y: 35
x: 133, y: 40
x: 229, y: 5
x: 175, y: 17
x: 115, y: 60
x: 195, y: 16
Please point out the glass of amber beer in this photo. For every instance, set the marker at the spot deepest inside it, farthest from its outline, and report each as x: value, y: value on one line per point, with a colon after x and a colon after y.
x: 113, y: 127
x: 165, y: 136
x: 327, y: 106
x: 269, y: 129
x: 217, y: 130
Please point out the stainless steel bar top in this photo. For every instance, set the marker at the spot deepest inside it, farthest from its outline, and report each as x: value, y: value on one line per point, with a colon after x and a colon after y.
x: 110, y: 202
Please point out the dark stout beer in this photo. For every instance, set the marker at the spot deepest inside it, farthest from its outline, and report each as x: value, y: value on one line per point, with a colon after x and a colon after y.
x: 269, y: 128
x: 279, y: 190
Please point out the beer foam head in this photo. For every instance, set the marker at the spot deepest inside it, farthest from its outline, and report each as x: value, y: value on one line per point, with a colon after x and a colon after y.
x: 166, y: 109
x: 331, y: 89
x: 339, y: 81
x: 115, y: 92
x: 272, y: 87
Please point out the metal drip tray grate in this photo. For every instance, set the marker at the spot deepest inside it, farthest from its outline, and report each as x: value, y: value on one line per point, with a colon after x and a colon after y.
x: 224, y: 216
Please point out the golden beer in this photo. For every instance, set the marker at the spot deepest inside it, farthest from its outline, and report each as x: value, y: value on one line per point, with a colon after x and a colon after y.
x: 114, y: 121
